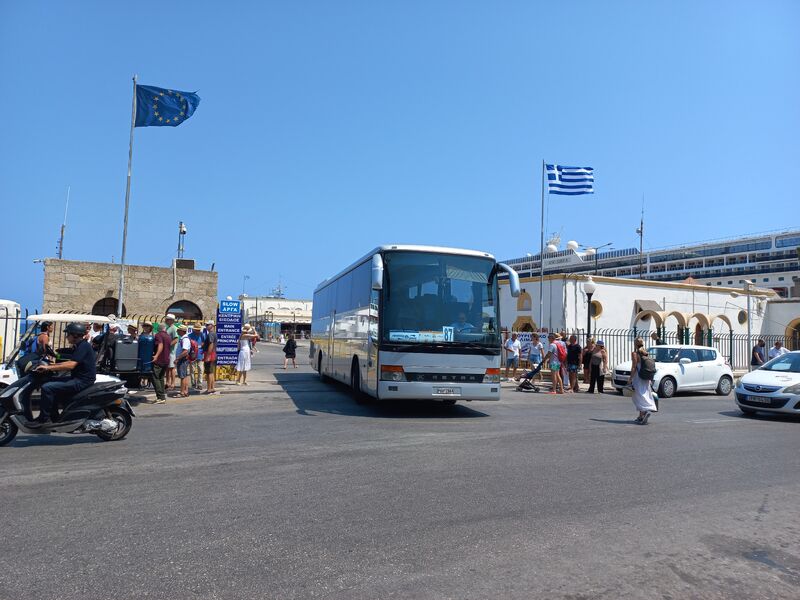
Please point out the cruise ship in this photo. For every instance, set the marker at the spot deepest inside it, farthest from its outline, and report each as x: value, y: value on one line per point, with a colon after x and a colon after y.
x: 769, y: 259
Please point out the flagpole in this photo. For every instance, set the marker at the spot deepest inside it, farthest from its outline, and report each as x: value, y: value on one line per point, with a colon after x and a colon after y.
x: 127, y: 203
x: 541, y: 258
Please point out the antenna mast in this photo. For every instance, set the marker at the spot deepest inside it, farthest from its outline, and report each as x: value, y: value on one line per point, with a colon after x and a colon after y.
x: 63, y: 229
x: 640, y: 231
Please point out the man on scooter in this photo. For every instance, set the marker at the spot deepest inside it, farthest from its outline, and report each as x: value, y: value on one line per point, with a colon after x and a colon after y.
x: 82, y: 366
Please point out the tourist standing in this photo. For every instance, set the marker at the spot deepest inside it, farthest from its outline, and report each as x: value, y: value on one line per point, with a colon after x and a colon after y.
x: 161, y: 356
x: 757, y: 355
x: 656, y: 339
x: 172, y: 331
x: 290, y: 352
x: 586, y: 358
x: 210, y: 358
x: 552, y: 361
x: 513, y: 348
x: 598, y: 365
x: 537, y: 354
x: 146, y: 346
x: 642, y: 391
x: 777, y: 350
x: 243, y: 363
x: 573, y: 362
x: 182, y: 360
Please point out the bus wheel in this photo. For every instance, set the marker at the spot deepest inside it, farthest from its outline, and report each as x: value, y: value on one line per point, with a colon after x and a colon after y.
x: 355, y: 383
x: 322, y: 377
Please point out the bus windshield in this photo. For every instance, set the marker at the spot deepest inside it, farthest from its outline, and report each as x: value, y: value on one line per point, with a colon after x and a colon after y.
x: 439, y: 298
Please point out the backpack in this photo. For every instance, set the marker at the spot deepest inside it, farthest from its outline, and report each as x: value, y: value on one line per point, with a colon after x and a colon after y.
x: 647, y: 368
x: 562, y: 352
x: 192, y: 350
x: 31, y: 345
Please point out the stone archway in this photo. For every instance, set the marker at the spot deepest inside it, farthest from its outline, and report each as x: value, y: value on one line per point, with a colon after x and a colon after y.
x: 793, y: 335
x: 184, y: 310
x: 524, y: 324
x: 108, y: 306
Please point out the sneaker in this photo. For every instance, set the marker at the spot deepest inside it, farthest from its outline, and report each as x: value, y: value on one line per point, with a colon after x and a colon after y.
x: 160, y: 401
x: 645, y: 418
x: 638, y: 420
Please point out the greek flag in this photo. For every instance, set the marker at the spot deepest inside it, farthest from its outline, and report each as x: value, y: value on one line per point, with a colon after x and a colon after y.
x: 570, y: 181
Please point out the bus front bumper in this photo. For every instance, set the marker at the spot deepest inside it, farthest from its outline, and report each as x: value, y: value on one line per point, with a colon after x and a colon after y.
x: 412, y: 390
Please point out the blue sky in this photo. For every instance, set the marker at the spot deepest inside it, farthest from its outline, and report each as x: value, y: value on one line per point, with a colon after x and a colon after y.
x: 327, y: 128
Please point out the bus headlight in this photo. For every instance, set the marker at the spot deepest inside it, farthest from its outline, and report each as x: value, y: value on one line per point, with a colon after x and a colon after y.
x: 492, y: 376
x: 392, y: 373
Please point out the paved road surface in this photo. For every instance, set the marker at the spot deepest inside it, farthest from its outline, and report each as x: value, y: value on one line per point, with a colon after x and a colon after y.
x: 288, y: 489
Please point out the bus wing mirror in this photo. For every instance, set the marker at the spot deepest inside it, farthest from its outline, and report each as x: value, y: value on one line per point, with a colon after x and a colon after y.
x: 513, y: 279
x: 377, y: 272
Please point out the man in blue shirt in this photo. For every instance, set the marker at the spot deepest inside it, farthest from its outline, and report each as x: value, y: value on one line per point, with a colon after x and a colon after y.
x: 82, y: 367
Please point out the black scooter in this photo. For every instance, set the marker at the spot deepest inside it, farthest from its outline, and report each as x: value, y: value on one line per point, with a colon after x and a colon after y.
x: 101, y: 410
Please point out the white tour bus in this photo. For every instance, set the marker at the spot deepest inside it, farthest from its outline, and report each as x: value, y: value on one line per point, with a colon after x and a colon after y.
x: 412, y: 322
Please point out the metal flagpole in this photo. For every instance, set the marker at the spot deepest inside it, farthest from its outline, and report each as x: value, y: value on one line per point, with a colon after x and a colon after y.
x: 541, y: 259
x: 127, y: 203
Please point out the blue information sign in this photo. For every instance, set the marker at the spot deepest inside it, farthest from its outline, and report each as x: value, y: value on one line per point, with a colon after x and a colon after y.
x: 229, y: 328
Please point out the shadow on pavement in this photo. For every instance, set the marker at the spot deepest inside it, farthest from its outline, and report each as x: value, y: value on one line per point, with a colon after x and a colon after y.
x: 311, y: 396
x: 761, y: 416
x: 24, y: 440
x: 617, y: 421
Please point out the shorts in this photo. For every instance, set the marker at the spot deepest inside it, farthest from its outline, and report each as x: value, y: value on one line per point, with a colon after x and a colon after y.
x: 171, y: 360
x: 210, y: 367
x: 512, y: 361
x: 573, y: 368
x: 183, y: 368
x: 555, y: 365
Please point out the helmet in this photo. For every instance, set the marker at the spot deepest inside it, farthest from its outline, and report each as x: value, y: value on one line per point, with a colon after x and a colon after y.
x: 75, y: 329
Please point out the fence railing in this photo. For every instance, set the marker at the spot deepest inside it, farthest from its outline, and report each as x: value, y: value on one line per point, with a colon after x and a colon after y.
x: 734, y: 347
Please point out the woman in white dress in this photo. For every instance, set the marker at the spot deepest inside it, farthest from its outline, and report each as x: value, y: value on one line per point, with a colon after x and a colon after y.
x: 642, y: 392
x: 243, y: 363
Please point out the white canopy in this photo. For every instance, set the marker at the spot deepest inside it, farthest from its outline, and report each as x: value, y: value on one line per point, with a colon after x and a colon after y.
x: 69, y: 318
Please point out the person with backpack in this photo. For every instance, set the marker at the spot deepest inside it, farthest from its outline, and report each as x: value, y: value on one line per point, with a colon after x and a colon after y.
x: 290, y: 352
x: 183, y: 359
x: 598, y: 365
x: 643, y: 370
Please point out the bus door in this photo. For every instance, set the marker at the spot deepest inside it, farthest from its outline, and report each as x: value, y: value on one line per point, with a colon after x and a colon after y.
x: 371, y: 379
x: 330, y: 348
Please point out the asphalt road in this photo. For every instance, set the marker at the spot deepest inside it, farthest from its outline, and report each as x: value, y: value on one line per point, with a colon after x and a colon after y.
x: 288, y: 489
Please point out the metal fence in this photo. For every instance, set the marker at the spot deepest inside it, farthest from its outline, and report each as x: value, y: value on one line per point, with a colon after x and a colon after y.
x: 736, y: 348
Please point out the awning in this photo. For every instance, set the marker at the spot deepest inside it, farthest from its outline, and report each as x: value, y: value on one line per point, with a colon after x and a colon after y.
x: 641, y: 305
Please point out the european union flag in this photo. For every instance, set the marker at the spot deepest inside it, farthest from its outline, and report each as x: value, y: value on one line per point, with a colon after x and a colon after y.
x: 159, y: 107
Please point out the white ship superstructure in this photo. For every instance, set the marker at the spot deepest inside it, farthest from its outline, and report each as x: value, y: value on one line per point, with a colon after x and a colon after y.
x: 769, y: 259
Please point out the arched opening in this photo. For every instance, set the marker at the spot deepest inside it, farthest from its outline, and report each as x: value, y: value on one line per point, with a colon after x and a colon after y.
x: 793, y: 335
x: 524, y: 301
x: 108, y: 306
x: 699, y: 337
x: 524, y: 324
x: 186, y: 311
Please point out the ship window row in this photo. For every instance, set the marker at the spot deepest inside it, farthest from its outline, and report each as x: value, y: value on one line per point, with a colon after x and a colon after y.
x: 788, y: 241
x: 733, y: 249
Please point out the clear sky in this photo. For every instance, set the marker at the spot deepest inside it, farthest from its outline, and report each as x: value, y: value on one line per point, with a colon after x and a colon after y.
x: 327, y: 128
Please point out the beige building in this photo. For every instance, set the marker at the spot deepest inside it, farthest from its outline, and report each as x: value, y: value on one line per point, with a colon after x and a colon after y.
x: 293, y: 315
x: 92, y: 287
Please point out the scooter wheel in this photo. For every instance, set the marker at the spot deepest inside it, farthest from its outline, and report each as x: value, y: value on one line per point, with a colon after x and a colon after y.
x: 124, y: 423
x: 8, y: 431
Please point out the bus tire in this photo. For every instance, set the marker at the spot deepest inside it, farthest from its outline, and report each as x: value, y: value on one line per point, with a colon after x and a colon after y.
x: 355, y: 383
x: 322, y: 377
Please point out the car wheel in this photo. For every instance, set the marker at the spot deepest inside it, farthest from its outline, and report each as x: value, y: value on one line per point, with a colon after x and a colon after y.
x: 724, y: 386
x: 667, y: 388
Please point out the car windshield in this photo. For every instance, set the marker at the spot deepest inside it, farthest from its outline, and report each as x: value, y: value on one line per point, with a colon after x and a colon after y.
x: 788, y: 363
x: 438, y: 298
x: 663, y: 354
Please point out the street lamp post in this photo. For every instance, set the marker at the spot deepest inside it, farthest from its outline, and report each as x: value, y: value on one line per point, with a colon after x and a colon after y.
x: 590, y: 288
x: 244, y: 282
x: 748, y: 288
x: 597, y: 251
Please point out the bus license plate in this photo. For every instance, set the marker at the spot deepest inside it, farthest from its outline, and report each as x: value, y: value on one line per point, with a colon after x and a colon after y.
x: 760, y: 399
x: 446, y: 391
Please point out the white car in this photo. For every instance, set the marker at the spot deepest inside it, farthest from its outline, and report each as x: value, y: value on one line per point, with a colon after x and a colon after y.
x: 774, y: 387
x: 683, y: 368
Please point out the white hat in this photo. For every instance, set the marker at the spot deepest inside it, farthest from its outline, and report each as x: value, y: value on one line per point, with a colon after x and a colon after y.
x: 169, y: 316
